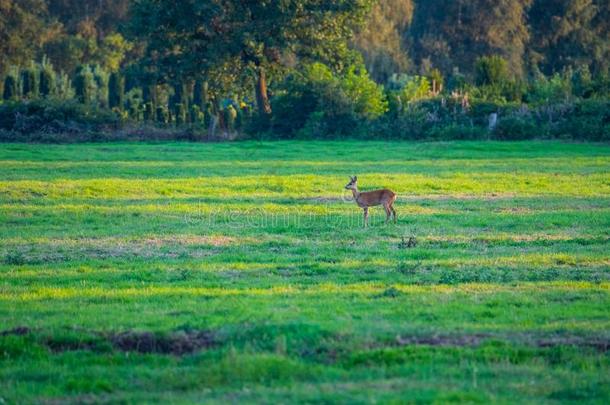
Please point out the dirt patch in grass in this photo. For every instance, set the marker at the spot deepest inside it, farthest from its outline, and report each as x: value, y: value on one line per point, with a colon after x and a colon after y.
x: 321, y: 200
x: 177, y: 343
x: 598, y: 344
x: 443, y: 340
x: 17, y: 331
x: 601, y: 344
x: 166, y: 247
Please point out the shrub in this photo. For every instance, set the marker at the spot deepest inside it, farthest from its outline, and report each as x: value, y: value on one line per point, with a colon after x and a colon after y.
x: 230, y: 116
x: 54, y: 117
x: 84, y: 85
x: 491, y: 71
x: 516, y: 128
x: 101, y: 78
x: 369, y: 99
x: 116, y: 90
x: 180, y: 114
x: 588, y: 119
x: 200, y: 94
x: 543, y: 90
x: 416, y: 88
x: 10, y: 88
x: 47, y: 79
x: 29, y: 83
x: 315, y: 102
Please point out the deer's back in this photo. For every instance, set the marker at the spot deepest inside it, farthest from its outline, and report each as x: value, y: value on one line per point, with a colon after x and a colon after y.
x: 376, y: 197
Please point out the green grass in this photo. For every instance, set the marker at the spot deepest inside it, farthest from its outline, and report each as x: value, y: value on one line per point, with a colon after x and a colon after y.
x: 239, y: 272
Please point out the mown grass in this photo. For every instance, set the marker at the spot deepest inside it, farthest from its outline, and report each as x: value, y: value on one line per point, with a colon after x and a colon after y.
x: 494, y: 286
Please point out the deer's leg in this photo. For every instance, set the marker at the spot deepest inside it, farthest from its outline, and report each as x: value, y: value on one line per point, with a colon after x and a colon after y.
x: 366, y: 217
x: 393, y: 212
x: 388, y: 213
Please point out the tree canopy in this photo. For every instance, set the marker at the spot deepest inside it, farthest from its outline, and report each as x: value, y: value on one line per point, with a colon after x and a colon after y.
x: 186, y: 39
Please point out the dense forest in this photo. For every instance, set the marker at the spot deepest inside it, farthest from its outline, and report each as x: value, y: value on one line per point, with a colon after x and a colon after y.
x: 388, y: 68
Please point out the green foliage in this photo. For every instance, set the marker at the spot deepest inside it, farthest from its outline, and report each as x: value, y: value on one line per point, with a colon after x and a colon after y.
x: 47, y: 80
x: 369, y: 99
x: 134, y: 103
x: 10, y: 87
x: 22, y: 29
x: 116, y: 90
x: 491, y: 71
x: 447, y: 34
x: 112, y: 51
x: 415, y: 88
x: 230, y: 116
x: 101, y: 78
x: 516, y: 127
x: 84, y: 85
x: 381, y: 40
x: 34, y: 119
x: 322, y: 103
x: 555, y: 89
x: 248, y: 45
x: 570, y: 33
x: 64, y: 89
x: 200, y: 94
x: 180, y: 114
x: 162, y: 115
x: 29, y: 82
x: 180, y: 96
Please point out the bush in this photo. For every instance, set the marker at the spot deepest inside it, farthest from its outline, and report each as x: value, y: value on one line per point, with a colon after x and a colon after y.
x: 116, y: 91
x: 588, y: 120
x: 491, y: 71
x: 368, y: 97
x: 543, y: 90
x: 516, y: 128
x: 29, y: 83
x: 416, y: 88
x: 55, y: 117
x: 84, y: 85
x: 47, y: 82
x: 10, y: 88
x: 315, y: 102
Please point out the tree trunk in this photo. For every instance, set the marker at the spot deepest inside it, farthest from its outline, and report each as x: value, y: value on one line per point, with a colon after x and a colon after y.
x: 262, y: 99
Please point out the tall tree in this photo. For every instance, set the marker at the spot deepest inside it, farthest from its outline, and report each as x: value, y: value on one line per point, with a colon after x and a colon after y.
x: 22, y: 30
x: 570, y: 33
x: 191, y: 38
x: 453, y: 33
x: 382, y: 39
x: 89, y: 17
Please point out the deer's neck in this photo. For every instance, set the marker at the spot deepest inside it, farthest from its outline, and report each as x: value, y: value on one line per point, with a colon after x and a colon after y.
x: 356, y: 193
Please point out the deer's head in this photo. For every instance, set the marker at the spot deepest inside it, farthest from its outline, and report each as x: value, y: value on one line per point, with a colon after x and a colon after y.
x: 353, y: 183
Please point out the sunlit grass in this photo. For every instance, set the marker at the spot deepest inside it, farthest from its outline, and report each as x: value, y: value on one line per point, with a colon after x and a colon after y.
x: 259, y: 244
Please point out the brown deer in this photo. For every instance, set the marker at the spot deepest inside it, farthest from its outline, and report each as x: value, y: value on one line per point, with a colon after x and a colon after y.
x: 368, y: 199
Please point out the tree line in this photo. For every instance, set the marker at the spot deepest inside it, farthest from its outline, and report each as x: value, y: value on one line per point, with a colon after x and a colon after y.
x: 300, y: 66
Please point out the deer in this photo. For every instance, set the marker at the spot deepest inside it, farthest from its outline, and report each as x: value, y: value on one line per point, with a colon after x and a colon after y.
x: 368, y: 199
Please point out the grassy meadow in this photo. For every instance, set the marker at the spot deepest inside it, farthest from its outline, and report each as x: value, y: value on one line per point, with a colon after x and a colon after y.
x: 240, y: 272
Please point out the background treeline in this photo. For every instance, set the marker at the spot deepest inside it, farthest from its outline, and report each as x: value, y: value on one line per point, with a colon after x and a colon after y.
x: 395, y: 69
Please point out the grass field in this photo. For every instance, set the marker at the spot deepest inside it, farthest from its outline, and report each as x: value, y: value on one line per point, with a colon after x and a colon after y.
x: 216, y: 273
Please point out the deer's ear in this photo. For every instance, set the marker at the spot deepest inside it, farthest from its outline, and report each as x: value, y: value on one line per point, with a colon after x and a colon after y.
x: 355, y: 178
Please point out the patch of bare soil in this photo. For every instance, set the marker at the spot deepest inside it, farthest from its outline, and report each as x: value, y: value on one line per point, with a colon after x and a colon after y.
x: 598, y: 344
x: 17, y: 331
x: 178, y: 343
x: 321, y: 200
x: 443, y: 340
x: 601, y: 344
